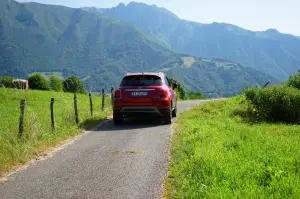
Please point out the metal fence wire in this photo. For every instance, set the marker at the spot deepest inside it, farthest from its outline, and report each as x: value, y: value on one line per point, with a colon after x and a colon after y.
x: 22, y: 115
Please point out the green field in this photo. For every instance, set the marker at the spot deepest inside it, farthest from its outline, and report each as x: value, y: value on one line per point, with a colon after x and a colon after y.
x: 38, y: 134
x: 216, y: 154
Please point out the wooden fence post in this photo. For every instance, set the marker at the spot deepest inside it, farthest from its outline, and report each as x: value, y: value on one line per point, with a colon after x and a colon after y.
x: 103, y: 98
x: 112, y: 95
x: 52, y: 114
x: 21, y: 122
x: 76, y: 109
x: 91, y: 103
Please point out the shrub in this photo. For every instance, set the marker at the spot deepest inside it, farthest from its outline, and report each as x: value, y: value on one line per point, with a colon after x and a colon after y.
x: 38, y: 82
x: 250, y: 93
x: 195, y: 95
x: 180, y: 88
x: 56, y: 84
x: 275, y: 104
x: 73, y: 85
x: 294, y: 81
x: 6, y: 82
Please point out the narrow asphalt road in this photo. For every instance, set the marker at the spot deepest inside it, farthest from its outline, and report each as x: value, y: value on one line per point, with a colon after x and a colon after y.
x: 127, y: 161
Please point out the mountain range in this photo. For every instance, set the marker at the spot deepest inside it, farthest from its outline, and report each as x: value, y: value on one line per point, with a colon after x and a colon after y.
x: 101, y: 45
x: 43, y: 38
x: 269, y: 51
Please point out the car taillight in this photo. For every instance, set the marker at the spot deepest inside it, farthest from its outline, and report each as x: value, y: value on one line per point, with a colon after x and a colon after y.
x: 163, y: 93
x: 118, y: 94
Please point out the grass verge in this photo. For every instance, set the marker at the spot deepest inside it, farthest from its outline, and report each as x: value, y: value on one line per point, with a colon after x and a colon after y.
x: 216, y: 154
x: 38, y: 135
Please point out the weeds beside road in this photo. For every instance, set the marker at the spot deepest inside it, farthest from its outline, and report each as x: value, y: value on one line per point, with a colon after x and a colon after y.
x: 38, y: 134
x: 216, y: 154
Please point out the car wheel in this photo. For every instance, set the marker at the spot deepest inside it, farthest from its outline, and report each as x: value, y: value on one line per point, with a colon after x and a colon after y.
x: 117, y: 117
x: 168, y: 117
x: 174, y: 112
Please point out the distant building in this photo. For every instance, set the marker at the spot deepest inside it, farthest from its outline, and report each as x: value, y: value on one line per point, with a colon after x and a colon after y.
x: 21, y: 83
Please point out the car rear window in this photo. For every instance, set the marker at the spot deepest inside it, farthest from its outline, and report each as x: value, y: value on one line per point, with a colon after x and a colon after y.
x: 141, y: 80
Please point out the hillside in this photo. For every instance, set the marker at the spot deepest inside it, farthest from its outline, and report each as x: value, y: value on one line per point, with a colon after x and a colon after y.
x: 269, y: 51
x: 45, y: 38
x: 97, y: 48
x: 214, y: 77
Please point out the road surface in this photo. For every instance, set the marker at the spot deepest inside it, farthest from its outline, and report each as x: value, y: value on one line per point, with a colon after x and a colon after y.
x: 127, y: 161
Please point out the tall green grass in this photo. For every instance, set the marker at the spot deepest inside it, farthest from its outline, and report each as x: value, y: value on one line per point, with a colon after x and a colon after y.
x: 38, y: 134
x: 216, y: 154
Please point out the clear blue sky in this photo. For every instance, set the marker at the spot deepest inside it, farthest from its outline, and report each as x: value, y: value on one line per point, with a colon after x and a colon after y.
x: 283, y: 15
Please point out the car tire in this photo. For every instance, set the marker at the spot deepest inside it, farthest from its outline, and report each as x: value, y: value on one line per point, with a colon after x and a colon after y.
x: 168, y: 117
x: 174, y: 112
x: 117, y: 117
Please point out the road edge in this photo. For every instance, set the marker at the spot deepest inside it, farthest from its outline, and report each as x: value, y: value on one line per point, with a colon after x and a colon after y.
x: 51, y: 151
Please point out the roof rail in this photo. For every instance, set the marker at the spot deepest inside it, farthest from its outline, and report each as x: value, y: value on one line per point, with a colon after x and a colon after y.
x: 130, y: 73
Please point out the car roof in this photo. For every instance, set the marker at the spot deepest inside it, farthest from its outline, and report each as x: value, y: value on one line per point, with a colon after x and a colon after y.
x: 160, y: 74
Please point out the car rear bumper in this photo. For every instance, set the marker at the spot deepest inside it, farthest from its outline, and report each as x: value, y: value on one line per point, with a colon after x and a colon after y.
x: 137, y: 110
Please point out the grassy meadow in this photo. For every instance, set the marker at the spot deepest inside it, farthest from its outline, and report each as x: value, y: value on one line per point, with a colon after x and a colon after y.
x: 217, y: 153
x: 38, y: 135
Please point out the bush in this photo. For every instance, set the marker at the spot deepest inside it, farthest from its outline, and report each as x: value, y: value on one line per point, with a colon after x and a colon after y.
x: 195, y: 95
x: 275, y: 104
x: 56, y: 84
x: 294, y: 81
x: 6, y: 82
x: 73, y: 85
x: 38, y: 82
x: 180, y: 88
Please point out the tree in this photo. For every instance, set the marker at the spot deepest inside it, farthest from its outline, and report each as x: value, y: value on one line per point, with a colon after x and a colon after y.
x: 55, y: 83
x: 38, y: 82
x: 294, y: 80
x: 73, y: 85
x: 6, y: 82
x: 180, y: 88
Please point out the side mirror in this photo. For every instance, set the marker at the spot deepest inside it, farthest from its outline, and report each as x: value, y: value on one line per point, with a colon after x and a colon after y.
x: 175, y: 86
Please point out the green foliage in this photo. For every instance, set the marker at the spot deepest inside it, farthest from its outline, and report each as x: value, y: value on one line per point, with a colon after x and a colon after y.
x: 195, y: 95
x: 73, y: 85
x: 294, y: 80
x: 275, y: 104
x: 38, y: 135
x: 180, y: 88
x: 215, y: 154
x: 6, y: 82
x: 55, y: 83
x: 38, y: 82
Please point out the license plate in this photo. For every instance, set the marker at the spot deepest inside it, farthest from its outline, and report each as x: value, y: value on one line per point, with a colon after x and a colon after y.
x: 139, y: 93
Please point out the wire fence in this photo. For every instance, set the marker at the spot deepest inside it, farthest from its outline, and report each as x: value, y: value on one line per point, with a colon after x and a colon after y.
x: 24, y: 114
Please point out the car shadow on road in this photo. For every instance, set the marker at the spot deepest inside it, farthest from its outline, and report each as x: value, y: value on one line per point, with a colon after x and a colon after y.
x: 132, y: 123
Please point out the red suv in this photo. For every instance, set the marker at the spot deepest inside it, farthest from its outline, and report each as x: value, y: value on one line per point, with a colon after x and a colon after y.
x: 149, y: 93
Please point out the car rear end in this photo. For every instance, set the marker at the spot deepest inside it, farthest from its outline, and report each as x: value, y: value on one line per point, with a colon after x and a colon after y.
x: 141, y: 94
